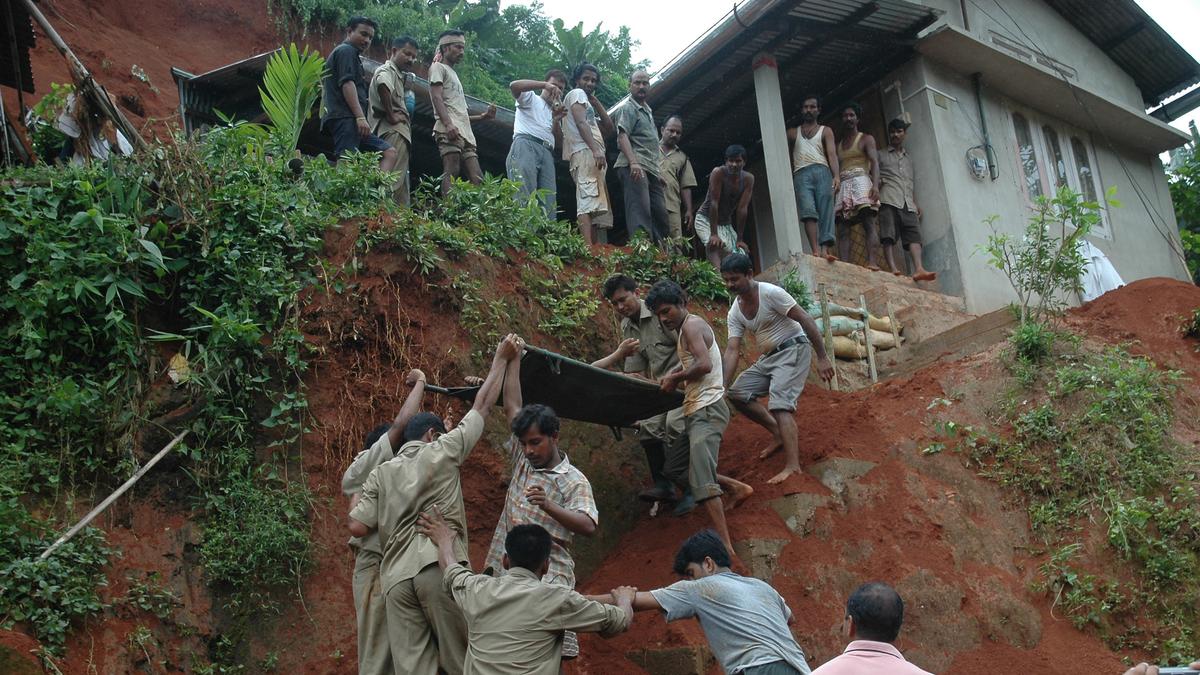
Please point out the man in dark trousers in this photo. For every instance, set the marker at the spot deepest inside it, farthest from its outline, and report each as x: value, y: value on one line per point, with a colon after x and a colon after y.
x: 344, y: 90
x: 639, y: 163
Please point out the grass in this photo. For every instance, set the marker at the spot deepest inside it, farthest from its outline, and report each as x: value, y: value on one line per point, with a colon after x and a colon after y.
x: 1091, y: 447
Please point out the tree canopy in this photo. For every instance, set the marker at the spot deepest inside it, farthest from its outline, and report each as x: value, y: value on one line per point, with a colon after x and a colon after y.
x: 518, y: 42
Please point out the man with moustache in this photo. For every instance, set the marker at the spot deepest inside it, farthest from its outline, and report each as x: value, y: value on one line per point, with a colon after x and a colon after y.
x: 639, y: 164
x: 899, y: 214
x: 858, y: 190
x: 721, y: 221
x: 389, y: 107
x: 678, y: 177
x: 815, y: 176
x: 452, y: 123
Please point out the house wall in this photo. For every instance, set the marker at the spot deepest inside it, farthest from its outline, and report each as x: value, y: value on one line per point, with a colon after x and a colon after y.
x: 1047, y: 29
x: 957, y: 205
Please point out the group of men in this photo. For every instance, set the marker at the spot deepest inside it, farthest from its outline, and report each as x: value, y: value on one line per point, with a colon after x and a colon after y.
x: 840, y: 183
x: 844, y: 182
x: 421, y: 608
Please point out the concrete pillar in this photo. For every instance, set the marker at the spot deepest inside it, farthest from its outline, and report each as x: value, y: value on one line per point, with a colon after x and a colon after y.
x: 769, y: 100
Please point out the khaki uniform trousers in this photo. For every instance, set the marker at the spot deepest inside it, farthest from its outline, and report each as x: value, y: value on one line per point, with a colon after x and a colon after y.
x: 425, y: 628
x: 400, y: 194
x: 374, y: 654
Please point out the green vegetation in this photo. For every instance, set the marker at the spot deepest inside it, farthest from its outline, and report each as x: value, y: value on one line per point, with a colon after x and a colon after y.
x: 46, y: 138
x: 1045, y: 263
x: 790, y: 282
x: 291, y: 85
x: 149, y: 595
x: 648, y: 263
x: 201, y: 247
x: 517, y: 42
x: 1091, y: 443
x: 1185, y: 195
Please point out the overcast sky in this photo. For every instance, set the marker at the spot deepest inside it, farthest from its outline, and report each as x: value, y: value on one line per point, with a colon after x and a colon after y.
x: 666, y: 28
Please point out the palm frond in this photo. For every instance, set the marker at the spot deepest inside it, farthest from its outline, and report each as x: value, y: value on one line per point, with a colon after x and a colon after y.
x: 291, y: 85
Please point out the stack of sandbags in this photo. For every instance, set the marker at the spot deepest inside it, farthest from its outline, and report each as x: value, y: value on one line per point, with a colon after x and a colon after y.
x: 848, y: 328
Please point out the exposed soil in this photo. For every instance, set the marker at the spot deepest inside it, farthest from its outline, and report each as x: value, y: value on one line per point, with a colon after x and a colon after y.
x: 870, y: 506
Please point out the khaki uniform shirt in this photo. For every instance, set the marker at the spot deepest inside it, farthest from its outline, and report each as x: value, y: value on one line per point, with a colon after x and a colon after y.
x: 422, y: 475
x: 456, y: 101
x: 515, y: 622
x: 637, y: 121
x: 896, y: 179
x: 678, y: 174
x: 566, y: 486
x: 352, y: 483
x: 393, y: 78
x: 656, y: 355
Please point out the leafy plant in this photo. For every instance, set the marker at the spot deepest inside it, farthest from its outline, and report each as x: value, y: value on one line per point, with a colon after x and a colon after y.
x: 1046, y: 262
x: 291, y: 84
x: 648, y: 263
x: 791, y: 282
x: 45, y: 136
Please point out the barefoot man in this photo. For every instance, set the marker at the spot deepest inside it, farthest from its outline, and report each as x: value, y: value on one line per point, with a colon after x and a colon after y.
x: 786, y: 337
x: 704, y: 411
x: 648, y: 351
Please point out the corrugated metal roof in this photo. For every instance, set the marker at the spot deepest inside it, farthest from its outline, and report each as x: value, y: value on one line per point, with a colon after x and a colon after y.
x: 833, y: 48
x: 1159, y: 66
x: 14, y: 55
x: 233, y: 90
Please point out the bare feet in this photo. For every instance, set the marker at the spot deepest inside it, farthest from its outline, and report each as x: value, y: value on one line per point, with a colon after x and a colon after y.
x: 831, y: 257
x: 737, y: 492
x: 925, y: 276
x: 873, y: 267
x: 898, y: 273
x: 783, y: 475
x: 771, y: 449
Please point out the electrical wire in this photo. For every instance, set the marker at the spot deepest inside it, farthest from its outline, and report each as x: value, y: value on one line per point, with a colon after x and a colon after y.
x: 1156, y: 218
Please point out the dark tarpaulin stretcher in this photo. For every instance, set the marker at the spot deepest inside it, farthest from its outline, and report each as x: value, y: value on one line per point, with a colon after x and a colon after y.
x: 580, y: 391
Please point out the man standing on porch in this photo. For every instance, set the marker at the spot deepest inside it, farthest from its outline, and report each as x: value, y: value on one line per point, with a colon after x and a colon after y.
x: 858, y: 191
x: 815, y: 176
x: 679, y: 177
x: 639, y: 164
x: 899, y: 214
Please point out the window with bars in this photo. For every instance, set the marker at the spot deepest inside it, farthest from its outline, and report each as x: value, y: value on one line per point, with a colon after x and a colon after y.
x: 1058, y: 156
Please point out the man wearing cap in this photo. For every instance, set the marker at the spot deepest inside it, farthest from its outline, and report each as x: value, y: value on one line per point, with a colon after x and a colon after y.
x: 452, y: 125
x: 899, y: 214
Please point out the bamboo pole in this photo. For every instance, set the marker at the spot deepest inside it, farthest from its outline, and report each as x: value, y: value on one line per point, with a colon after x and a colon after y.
x: 113, y: 497
x: 862, y: 301
x: 84, y: 83
x: 821, y: 291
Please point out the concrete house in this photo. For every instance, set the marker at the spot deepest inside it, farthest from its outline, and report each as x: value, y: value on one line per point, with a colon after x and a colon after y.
x: 1008, y: 99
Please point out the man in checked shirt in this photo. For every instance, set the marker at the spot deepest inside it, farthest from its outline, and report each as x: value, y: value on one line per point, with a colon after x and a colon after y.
x: 546, y: 489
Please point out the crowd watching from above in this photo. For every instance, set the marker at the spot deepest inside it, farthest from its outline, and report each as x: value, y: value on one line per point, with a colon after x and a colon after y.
x: 421, y: 608
x: 842, y: 181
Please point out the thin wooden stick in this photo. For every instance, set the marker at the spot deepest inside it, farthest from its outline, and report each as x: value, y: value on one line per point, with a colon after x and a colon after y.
x: 862, y: 301
x: 828, y: 333
x: 113, y: 497
x: 894, y: 326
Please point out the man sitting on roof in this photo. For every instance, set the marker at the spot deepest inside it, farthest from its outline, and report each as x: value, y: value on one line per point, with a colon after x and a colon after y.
x: 344, y: 89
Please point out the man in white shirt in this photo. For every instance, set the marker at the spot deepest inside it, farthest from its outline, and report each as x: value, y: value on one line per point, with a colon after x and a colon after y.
x: 530, y: 160
x: 786, y: 337
x: 583, y: 148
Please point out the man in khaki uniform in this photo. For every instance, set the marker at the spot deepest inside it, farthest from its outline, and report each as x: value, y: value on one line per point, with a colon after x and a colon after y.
x: 374, y: 655
x: 516, y: 620
x: 649, y: 350
x: 678, y: 178
x: 389, y: 107
x: 425, y: 629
